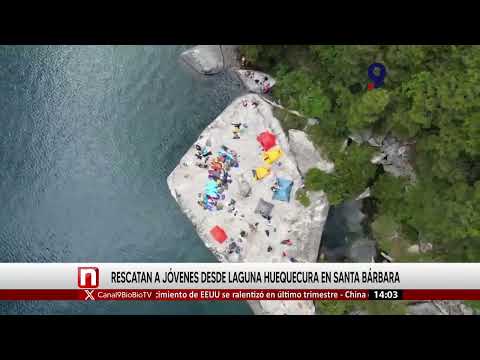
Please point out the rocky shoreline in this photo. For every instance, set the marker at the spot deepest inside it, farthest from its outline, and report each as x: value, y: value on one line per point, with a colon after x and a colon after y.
x: 299, y: 156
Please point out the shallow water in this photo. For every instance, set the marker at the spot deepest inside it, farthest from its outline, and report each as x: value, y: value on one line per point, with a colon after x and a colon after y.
x: 89, y: 135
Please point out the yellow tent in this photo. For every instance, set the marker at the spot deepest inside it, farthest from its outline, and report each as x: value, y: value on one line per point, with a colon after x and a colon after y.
x: 272, y: 155
x: 261, y: 172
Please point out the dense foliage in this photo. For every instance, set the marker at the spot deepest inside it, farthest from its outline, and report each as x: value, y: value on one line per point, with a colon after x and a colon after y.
x: 431, y: 95
x: 352, y: 172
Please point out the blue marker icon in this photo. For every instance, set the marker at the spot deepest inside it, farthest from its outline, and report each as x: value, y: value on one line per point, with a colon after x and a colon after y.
x: 377, y: 79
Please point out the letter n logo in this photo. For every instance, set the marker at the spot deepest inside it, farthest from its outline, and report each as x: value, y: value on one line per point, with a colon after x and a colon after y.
x: 88, y: 277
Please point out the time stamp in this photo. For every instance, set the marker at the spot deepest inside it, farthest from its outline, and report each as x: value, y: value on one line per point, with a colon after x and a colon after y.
x: 385, y: 295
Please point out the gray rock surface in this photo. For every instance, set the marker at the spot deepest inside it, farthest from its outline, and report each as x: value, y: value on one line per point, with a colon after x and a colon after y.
x: 361, y: 136
x: 256, y: 81
x: 306, y: 154
x: 395, y: 156
x: 440, y: 308
x: 312, y: 122
x: 206, y: 59
x: 290, y: 220
x: 230, y: 56
x: 423, y: 247
x: 364, y: 194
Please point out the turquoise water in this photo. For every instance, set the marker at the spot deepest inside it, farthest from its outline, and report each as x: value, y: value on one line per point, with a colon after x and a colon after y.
x: 89, y: 135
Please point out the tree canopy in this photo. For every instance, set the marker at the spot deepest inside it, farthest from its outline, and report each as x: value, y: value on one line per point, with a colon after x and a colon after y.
x: 430, y: 96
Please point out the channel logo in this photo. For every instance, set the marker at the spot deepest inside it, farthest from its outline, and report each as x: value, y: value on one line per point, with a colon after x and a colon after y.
x: 88, y: 277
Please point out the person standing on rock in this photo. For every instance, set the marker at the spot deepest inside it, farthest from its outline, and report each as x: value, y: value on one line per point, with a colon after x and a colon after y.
x: 266, y: 88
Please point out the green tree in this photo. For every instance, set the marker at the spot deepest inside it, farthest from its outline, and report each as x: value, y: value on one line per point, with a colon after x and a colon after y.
x: 353, y: 171
x: 368, y: 109
x: 431, y: 96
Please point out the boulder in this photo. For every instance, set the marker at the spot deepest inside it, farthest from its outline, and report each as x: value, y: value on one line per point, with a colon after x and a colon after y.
x: 289, y: 220
x: 378, y: 158
x: 306, y: 155
x: 312, y: 122
x: 256, y: 81
x: 361, y: 136
x: 205, y: 59
x: 395, y: 155
x: 364, y: 194
x: 376, y: 140
x: 423, y: 247
x: 413, y: 249
x: 426, y: 247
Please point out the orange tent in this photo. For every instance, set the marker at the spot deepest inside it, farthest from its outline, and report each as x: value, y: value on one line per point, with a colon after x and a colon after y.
x: 267, y: 140
x: 218, y: 234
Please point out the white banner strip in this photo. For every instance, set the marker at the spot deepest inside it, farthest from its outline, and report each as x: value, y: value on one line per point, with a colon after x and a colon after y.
x: 239, y: 276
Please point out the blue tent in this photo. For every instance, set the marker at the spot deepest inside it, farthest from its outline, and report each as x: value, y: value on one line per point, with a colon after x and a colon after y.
x: 212, y: 188
x: 284, y: 190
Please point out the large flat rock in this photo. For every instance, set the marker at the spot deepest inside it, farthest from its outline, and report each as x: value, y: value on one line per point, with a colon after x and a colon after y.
x: 290, y: 220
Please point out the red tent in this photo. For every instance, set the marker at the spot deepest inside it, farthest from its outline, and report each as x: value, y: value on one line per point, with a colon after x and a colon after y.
x: 218, y: 234
x: 267, y: 139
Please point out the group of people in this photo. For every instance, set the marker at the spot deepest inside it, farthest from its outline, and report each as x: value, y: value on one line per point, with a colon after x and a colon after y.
x: 202, y: 154
x: 287, y: 242
x: 218, y: 176
x: 263, y: 83
x: 245, y: 103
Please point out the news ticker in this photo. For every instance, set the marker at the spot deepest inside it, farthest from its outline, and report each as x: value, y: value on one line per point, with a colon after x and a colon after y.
x: 239, y: 281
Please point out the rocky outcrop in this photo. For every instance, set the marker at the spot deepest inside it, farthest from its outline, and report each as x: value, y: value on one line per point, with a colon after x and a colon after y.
x: 440, y: 308
x: 368, y: 137
x: 256, y: 81
x: 367, y: 193
x: 423, y: 247
x: 312, y: 122
x: 262, y: 239
x: 361, y: 137
x: 211, y: 59
x: 306, y: 154
x: 230, y: 56
x: 206, y: 59
x: 395, y: 157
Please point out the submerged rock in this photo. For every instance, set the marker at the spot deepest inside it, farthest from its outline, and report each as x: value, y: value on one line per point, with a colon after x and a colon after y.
x: 256, y: 81
x: 289, y: 220
x: 306, y: 154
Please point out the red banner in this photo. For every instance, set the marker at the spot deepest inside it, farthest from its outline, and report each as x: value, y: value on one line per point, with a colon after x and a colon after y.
x: 226, y: 295
x: 439, y: 294
x: 182, y: 295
